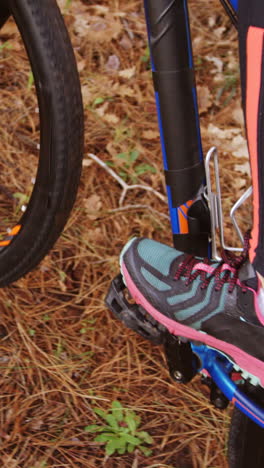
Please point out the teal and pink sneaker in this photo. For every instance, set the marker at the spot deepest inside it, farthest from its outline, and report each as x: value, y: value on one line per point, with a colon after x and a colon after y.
x: 218, y: 304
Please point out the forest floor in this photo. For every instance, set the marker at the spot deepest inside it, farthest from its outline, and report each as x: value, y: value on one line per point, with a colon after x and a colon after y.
x: 62, y: 353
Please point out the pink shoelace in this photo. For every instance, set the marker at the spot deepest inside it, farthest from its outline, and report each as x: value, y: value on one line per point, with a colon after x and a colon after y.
x: 226, y: 271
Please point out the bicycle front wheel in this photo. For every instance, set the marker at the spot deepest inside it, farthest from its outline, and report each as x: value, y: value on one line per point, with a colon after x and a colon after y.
x: 58, y: 153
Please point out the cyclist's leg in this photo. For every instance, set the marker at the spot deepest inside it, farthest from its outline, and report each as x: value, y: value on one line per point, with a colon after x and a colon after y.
x: 219, y: 304
x: 251, y: 40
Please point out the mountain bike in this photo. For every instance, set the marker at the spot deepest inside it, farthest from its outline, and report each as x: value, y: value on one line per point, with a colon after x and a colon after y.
x: 197, y: 222
x: 54, y: 165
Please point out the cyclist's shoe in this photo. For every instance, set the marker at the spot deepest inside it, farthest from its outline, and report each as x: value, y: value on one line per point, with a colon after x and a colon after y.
x: 220, y: 304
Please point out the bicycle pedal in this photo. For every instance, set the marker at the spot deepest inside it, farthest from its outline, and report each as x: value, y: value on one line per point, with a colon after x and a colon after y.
x: 133, y: 315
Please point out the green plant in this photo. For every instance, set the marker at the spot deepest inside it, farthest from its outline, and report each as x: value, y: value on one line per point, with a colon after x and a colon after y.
x: 131, y: 169
x: 121, y: 433
x: 6, y: 45
x: 30, y: 80
x: 146, y: 57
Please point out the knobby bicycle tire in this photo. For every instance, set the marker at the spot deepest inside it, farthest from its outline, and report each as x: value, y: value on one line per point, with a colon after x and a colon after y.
x: 61, y: 135
x: 245, y: 445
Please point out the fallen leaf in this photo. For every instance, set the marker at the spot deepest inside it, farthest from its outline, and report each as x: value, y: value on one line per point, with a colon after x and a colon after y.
x: 238, y: 116
x: 219, y: 31
x: 36, y: 424
x: 111, y: 118
x: 87, y: 162
x: 127, y: 73
x: 81, y: 65
x: 113, y: 63
x: 9, y: 29
x: 101, y: 110
x: 87, y: 95
x: 150, y: 134
x: 245, y: 168
x: 124, y: 90
x: 204, y: 98
x: 126, y: 43
x: 81, y: 25
x: 218, y: 63
x: 93, y: 204
x: 97, y: 29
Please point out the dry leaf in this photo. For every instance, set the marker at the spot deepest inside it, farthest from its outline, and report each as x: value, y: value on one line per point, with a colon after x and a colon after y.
x: 9, y: 29
x: 126, y: 43
x: 93, y: 204
x: 111, y: 118
x: 87, y: 162
x: 244, y: 168
x: 239, y: 146
x: 97, y: 29
x: 218, y: 63
x: 81, y: 65
x: 204, y: 98
x: 238, y: 116
x: 113, y: 63
x: 36, y: 424
x: 127, y: 73
x: 81, y: 25
x: 101, y: 9
x: 101, y: 110
x: 124, y: 90
x: 150, y: 134
x: 87, y: 95
x: 219, y: 31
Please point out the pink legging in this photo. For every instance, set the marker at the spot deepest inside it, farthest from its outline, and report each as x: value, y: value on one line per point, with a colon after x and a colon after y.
x: 251, y: 48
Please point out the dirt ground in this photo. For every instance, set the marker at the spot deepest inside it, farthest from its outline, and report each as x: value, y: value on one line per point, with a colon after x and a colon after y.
x: 61, y: 351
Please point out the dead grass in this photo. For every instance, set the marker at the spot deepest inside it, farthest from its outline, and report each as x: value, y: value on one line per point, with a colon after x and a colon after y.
x: 61, y: 351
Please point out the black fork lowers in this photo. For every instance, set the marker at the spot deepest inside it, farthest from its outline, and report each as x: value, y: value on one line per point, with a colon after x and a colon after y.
x: 174, y: 83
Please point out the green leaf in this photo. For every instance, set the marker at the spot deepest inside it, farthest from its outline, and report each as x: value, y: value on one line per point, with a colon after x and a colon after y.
x: 92, y: 428
x: 105, y: 437
x: 131, y: 422
x: 30, y: 80
x: 131, y: 439
x: 147, y: 452
x: 130, y: 448
x: 101, y: 413
x: 145, y: 168
x: 112, y: 421
x: 111, y: 447
x: 117, y: 410
x: 98, y: 101
x: 97, y: 428
x: 122, y: 450
x: 122, y: 156
x: 146, y: 56
x: 123, y: 175
x: 144, y: 436
x: 6, y: 45
x: 133, y: 155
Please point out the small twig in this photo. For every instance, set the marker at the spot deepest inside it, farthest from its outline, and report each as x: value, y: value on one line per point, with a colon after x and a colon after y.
x: 123, y: 184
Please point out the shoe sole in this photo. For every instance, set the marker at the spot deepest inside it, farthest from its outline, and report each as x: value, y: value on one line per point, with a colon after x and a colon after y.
x: 245, y: 361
